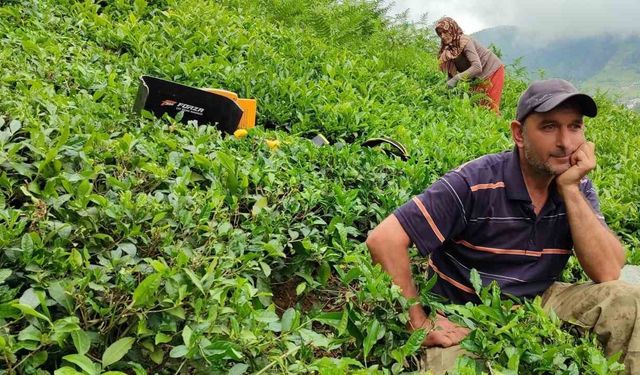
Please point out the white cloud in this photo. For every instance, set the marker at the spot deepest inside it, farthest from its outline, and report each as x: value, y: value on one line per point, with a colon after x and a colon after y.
x: 548, y: 18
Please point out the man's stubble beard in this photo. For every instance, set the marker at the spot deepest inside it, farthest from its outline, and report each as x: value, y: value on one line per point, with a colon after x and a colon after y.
x: 540, y: 167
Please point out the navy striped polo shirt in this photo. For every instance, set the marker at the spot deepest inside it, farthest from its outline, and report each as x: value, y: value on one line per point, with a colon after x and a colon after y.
x: 481, y: 216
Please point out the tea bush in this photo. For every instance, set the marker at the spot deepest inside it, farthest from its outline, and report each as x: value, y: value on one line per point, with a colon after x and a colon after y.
x: 142, y: 245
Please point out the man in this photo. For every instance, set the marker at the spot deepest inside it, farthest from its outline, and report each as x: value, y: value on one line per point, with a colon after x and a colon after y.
x: 516, y: 217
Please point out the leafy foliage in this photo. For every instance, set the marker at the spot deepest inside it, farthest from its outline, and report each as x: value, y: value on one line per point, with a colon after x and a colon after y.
x: 142, y: 245
x: 518, y: 337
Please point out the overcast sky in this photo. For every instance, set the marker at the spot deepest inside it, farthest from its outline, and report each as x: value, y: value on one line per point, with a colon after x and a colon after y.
x: 549, y: 17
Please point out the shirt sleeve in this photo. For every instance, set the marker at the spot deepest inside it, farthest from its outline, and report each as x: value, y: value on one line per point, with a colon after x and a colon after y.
x: 438, y: 214
x: 590, y: 193
x: 475, y: 70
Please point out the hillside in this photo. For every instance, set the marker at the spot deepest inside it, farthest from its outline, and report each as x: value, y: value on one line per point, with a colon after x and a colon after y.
x: 610, y: 63
x: 136, y: 245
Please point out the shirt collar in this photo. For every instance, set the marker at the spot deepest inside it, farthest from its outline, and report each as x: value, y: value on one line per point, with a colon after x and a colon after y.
x: 554, y: 195
x: 514, y: 181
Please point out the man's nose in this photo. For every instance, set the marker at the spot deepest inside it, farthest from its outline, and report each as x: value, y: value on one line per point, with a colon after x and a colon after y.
x: 563, y: 138
x: 567, y: 139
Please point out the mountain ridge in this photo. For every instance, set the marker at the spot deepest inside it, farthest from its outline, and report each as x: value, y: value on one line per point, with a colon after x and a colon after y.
x: 604, y: 62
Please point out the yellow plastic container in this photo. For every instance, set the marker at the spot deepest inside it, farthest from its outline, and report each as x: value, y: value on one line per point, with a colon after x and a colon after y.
x: 248, y: 106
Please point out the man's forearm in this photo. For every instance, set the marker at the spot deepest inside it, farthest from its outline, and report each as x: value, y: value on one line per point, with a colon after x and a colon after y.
x: 388, y: 245
x: 598, y: 250
x: 395, y: 261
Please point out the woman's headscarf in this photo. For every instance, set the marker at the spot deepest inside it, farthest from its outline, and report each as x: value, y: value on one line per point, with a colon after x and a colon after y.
x: 448, y: 52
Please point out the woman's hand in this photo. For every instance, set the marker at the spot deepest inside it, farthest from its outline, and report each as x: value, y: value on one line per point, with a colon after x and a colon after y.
x: 452, y: 82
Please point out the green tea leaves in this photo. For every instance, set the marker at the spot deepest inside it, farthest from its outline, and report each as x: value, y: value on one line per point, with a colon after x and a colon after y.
x: 144, y: 293
x: 117, y: 350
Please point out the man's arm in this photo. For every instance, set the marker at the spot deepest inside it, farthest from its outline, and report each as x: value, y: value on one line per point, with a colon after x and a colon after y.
x: 598, y: 250
x: 389, y: 244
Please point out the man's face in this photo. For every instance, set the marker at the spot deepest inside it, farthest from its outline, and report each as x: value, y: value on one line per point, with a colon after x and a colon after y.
x: 549, y: 139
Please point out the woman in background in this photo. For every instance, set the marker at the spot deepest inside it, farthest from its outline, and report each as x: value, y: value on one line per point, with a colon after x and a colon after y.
x: 463, y: 58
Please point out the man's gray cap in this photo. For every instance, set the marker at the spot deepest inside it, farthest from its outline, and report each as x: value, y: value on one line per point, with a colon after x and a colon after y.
x: 545, y: 95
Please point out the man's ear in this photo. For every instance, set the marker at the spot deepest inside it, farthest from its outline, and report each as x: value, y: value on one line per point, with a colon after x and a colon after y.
x: 517, y: 133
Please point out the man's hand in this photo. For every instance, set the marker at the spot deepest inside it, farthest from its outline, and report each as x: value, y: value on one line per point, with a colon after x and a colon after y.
x: 442, y: 332
x: 583, y: 161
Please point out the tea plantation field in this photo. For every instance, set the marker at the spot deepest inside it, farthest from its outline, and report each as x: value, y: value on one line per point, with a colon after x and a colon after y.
x: 136, y: 245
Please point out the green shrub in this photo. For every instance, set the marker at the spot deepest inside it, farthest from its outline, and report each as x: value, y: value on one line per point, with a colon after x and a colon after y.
x: 144, y: 245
